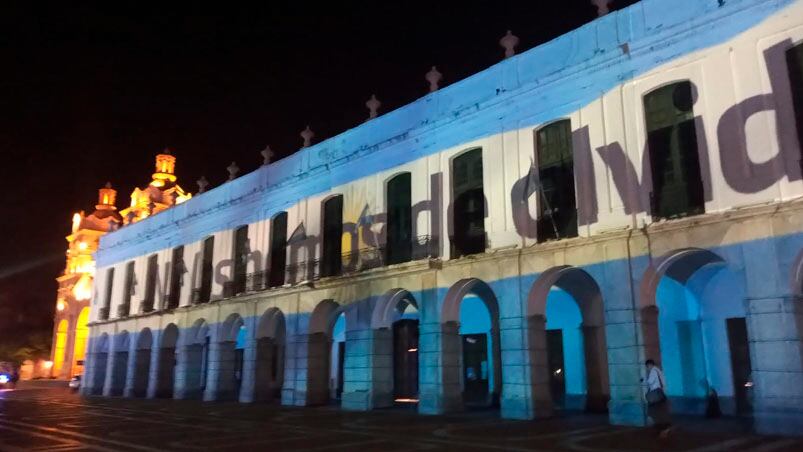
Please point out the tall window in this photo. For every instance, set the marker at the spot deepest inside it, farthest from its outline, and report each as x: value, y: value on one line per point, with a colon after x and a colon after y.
x: 794, y: 63
x: 468, y: 215
x: 399, y: 244
x: 677, y: 187
x: 557, y: 212
x: 205, y: 291
x: 240, y: 258
x: 331, y: 261
x: 128, y: 287
x: 176, y: 272
x: 107, y: 299
x: 150, y: 283
x: 278, y: 250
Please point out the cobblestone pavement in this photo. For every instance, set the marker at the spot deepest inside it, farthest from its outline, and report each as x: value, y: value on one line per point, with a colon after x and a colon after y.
x: 53, y: 419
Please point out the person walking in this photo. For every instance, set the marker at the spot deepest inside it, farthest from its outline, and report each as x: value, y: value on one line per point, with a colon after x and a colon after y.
x: 657, y: 402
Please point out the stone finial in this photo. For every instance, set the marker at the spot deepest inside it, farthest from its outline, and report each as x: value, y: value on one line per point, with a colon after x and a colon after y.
x: 202, y: 184
x: 433, y: 77
x: 130, y: 216
x: 151, y: 207
x: 174, y: 197
x: 373, y: 105
x: 509, y: 42
x: 307, y: 134
x: 108, y: 185
x: 233, y: 169
x: 602, y: 6
x: 267, y: 155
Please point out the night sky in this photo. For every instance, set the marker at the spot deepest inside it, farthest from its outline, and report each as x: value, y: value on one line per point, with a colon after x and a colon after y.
x: 91, y: 95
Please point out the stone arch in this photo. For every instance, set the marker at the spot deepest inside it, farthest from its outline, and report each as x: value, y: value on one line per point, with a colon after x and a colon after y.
x: 230, y: 328
x: 100, y: 357
x: 383, y: 313
x: 319, y: 350
x: 142, y: 363
x: 576, y: 378
x: 450, y: 312
x: 60, y: 348
x: 80, y: 341
x: 270, y: 354
x: 193, y: 361
x: 694, y: 317
x: 324, y: 316
x: 452, y: 342
x: 694, y: 258
x: 226, y: 370
x: 166, y: 367
x: 119, y: 369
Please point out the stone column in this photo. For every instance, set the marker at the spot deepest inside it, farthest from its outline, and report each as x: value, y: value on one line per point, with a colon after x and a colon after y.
x: 306, y: 374
x: 775, y: 334
x: 91, y: 361
x: 439, y: 369
x: 221, y: 383
x: 154, y: 367
x: 525, y: 374
x: 368, y: 370
x: 263, y: 371
x: 248, y: 379
x: 187, y: 384
x: 116, y: 372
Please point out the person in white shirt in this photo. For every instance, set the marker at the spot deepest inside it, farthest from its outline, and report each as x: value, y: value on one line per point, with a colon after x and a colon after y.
x: 657, y: 402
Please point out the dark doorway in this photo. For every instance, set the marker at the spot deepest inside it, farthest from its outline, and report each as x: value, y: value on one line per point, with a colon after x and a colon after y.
x: 238, y: 370
x: 399, y: 244
x: 740, y: 363
x: 240, y: 258
x: 557, y: 207
x: 468, y: 215
x: 205, y: 291
x: 341, y: 360
x: 475, y: 369
x: 332, y: 236
x: 677, y: 187
x: 557, y: 370
x: 405, y: 359
x: 278, y: 250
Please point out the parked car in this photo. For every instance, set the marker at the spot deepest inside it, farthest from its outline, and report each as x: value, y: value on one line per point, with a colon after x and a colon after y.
x: 75, y: 383
x: 8, y: 375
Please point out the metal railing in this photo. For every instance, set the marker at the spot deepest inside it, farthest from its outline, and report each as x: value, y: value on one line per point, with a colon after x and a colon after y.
x: 123, y: 310
x: 171, y: 300
x: 103, y: 313
x: 146, y: 305
x: 423, y: 247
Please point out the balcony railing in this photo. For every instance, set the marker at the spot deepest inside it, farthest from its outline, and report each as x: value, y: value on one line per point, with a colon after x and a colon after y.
x: 103, y: 313
x: 146, y: 306
x: 423, y: 247
x: 123, y: 310
x: 197, y: 296
x: 171, y: 301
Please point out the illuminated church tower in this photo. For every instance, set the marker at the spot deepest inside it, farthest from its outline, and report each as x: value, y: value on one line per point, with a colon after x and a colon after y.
x: 75, y: 284
x: 162, y: 193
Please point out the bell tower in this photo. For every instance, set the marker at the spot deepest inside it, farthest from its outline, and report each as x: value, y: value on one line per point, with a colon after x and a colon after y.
x: 165, y: 169
x: 107, y: 198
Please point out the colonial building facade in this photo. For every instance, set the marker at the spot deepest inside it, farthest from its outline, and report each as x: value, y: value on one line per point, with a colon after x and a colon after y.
x: 522, y: 240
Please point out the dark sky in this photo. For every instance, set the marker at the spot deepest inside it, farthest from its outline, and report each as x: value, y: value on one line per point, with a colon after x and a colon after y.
x: 90, y: 95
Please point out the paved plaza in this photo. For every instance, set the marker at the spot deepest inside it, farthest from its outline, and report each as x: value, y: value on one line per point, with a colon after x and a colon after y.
x: 37, y: 418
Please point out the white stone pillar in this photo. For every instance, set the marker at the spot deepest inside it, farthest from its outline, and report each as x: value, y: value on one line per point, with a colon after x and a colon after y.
x: 248, y: 380
x: 368, y: 370
x: 439, y: 369
x: 187, y: 383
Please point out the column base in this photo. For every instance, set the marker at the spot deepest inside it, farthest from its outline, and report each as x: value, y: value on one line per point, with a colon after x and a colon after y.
x: 778, y: 423
x: 627, y: 412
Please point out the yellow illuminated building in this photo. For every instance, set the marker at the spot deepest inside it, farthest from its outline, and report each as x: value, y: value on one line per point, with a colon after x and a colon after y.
x: 70, y: 329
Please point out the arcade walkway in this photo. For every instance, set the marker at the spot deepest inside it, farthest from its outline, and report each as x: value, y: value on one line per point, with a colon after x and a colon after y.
x: 40, y: 418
